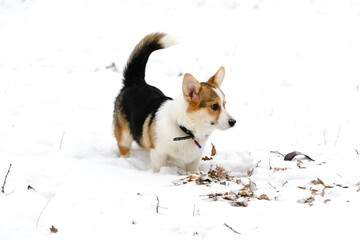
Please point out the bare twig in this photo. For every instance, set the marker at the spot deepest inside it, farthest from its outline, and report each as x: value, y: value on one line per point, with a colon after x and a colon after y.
x: 250, y: 172
x: 157, y: 205
x: 31, y: 188
x: 62, y: 138
x: 357, y: 152
x: 231, y: 229
x: 37, y: 222
x: 195, y: 211
x: 277, y: 152
x: 270, y: 167
x: 113, y: 66
x: 3, y: 186
x: 257, y: 164
x: 272, y: 185
x: 338, y: 134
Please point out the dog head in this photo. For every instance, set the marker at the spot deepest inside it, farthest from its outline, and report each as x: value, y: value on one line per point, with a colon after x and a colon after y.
x: 207, y: 102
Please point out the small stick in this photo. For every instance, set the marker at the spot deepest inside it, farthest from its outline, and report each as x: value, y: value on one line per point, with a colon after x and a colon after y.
x: 270, y: 167
x: 3, y: 186
x: 37, y: 222
x: 231, y: 229
x: 272, y: 185
x: 277, y: 152
x: 113, y: 66
x: 338, y: 134
x: 158, y: 203
x: 357, y: 152
x: 61, y: 140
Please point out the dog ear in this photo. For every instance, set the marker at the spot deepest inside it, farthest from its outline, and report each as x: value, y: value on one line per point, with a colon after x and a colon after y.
x: 218, y: 78
x: 191, y: 88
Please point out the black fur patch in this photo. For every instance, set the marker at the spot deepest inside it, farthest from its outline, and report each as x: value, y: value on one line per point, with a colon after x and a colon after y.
x: 137, y: 102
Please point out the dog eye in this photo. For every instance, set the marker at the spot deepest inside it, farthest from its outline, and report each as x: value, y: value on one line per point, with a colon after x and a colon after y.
x: 215, y: 107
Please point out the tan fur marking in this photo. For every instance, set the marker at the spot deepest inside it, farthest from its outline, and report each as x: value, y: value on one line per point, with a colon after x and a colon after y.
x: 218, y: 77
x: 208, y: 97
x: 122, y: 133
x: 211, y: 81
x: 123, y: 151
x: 155, y: 37
x: 148, y: 134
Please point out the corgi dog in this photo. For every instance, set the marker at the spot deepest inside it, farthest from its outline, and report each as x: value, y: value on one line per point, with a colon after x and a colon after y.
x: 170, y: 129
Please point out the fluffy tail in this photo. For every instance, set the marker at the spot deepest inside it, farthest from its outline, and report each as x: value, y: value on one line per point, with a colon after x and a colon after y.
x: 134, y: 71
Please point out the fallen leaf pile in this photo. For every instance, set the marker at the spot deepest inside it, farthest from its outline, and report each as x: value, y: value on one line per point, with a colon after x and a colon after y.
x: 241, y: 197
x: 315, y: 191
x: 216, y: 175
x: 318, y: 188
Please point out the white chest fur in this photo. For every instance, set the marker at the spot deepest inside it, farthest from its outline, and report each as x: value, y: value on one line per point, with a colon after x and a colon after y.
x: 168, y: 118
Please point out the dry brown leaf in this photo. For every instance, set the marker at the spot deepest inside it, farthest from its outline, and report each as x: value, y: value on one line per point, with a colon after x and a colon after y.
x: 192, y: 177
x: 240, y: 203
x: 323, y: 192
x: 280, y: 169
x: 229, y: 198
x: 292, y: 155
x: 314, y: 191
x: 213, y: 150
x: 317, y: 182
x: 206, y: 158
x: 244, y: 194
x: 308, y: 200
x: 53, y: 229
x: 263, y: 197
x: 299, y: 166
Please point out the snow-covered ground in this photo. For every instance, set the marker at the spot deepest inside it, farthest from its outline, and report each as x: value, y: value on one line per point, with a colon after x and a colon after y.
x: 292, y: 83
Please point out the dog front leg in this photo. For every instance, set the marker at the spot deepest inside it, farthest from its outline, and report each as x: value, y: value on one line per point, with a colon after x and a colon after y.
x: 158, y: 160
x: 193, y: 166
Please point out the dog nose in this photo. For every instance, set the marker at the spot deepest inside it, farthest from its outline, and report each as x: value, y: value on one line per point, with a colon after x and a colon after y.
x: 232, y: 122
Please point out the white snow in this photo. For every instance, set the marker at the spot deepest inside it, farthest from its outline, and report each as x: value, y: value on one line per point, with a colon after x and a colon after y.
x: 292, y: 83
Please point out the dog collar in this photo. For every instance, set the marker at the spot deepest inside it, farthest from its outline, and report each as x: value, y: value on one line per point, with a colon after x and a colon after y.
x: 189, y: 135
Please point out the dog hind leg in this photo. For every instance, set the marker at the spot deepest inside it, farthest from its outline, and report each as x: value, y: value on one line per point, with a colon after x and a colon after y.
x: 122, y: 134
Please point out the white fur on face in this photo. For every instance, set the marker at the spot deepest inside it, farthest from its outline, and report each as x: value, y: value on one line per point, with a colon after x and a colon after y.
x: 224, y: 117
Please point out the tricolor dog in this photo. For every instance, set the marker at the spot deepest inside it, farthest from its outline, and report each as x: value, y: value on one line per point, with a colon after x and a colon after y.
x: 171, y: 129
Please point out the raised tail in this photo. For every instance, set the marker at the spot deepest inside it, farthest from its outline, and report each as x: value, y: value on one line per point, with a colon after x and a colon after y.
x: 134, y: 71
